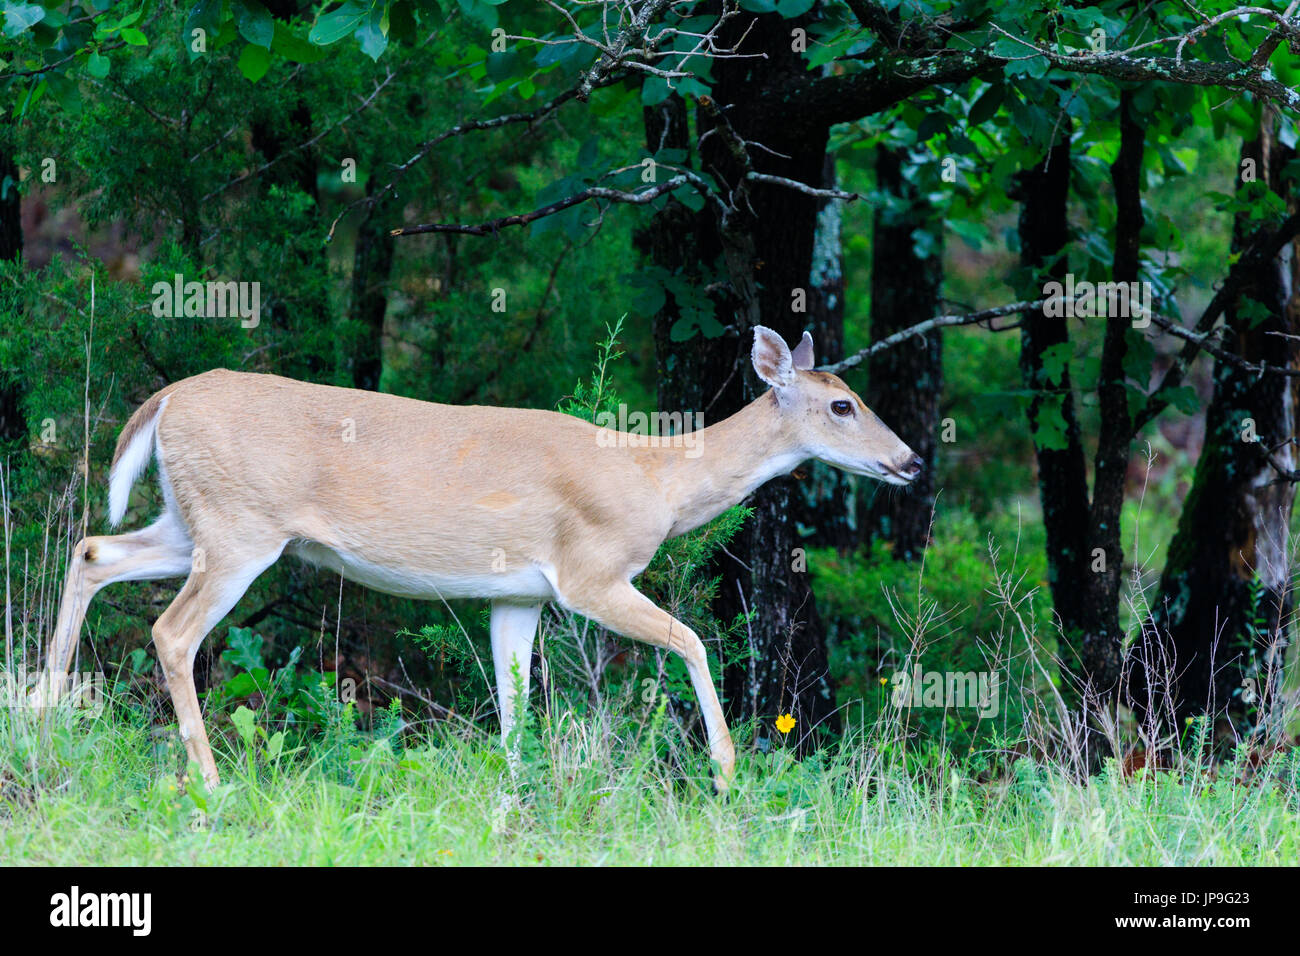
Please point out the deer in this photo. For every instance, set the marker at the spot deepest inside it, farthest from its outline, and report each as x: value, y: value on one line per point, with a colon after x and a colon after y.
x: 430, y: 501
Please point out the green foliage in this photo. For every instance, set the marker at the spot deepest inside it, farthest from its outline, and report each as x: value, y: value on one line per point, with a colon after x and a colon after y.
x: 300, y: 700
x: 450, y: 646
x: 940, y: 616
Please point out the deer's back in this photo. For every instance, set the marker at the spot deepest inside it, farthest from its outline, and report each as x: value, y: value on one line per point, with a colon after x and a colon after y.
x: 362, y: 480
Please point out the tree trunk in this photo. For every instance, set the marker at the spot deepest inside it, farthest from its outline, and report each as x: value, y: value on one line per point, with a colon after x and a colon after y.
x: 13, y: 424
x: 1101, y: 640
x: 903, y: 383
x: 371, y: 269
x: 765, y: 256
x: 1221, y: 617
x: 1062, y: 479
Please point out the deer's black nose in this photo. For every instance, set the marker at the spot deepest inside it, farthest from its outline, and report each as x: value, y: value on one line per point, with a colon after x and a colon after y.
x: 912, y: 467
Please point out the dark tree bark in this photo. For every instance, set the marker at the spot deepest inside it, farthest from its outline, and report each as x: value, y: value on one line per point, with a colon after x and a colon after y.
x: 1222, y: 612
x: 1084, y: 552
x: 372, y: 266
x: 903, y: 384
x: 13, y: 424
x: 764, y: 256
x: 11, y: 206
x: 1062, y: 478
x: 1101, y: 639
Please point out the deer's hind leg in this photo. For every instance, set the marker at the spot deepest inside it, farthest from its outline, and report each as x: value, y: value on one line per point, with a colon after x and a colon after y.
x: 162, y: 550
x: 208, y: 595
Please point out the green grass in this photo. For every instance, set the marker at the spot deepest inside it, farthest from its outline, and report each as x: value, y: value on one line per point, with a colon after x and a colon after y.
x: 81, y: 790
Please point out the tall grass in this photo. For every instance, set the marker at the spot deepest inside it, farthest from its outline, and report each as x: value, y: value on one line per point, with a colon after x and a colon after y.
x: 602, y: 789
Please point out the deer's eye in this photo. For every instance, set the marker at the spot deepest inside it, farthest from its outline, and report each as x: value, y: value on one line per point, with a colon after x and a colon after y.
x: 842, y: 407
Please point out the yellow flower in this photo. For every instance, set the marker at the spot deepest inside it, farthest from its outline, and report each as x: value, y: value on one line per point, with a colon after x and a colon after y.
x: 884, y: 681
x: 785, y: 723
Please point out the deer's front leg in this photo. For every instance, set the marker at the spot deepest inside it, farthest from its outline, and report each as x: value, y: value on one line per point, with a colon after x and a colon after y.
x: 513, y: 629
x: 622, y: 608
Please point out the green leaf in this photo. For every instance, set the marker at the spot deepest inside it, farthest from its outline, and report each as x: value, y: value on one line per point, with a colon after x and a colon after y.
x: 986, y: 107
x: 1139, y: 356
x: 1055, y: 361
x: 648, y: 295
x: 97, y: 65
x: 337, y: 24
x: 293, y: 47
x: 501, y: 66
x: 482, y: 13
x: 654, y: 91
x: 134, y: 37
x: 555, y: 53
x: 243, y: 648
x: 1185, y: 399
x: 66, y: 92
x: 793, y: 8
x: 1252, y: 310
x: 254, y: 61
x: 244, y: 722
x: 1007, y: 47
x: 682, y: 330
x: 1049, y: 424
x: 935, y: 122
x: 255, y: 24
x: 374, y: 39
x: 20, y: 17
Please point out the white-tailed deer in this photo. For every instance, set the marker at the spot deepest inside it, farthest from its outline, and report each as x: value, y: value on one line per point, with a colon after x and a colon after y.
x: 436, y: 501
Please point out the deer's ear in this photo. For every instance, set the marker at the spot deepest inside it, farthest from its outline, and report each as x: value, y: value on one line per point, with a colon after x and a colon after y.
x: 803, y: 353
x: 772, y: 359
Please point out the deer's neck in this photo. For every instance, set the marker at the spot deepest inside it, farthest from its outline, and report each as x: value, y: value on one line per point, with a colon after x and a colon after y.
x: 730, y: 460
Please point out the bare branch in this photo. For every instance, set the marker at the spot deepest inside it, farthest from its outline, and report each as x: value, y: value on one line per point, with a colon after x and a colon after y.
x: 1284, y: 473
x: 593, y: 192
x: 802, y: 187
x: 365, y: 104
x: 528, y: 117
x: 938, y: 322
x: 612, y: 58
x: 1201, y: 340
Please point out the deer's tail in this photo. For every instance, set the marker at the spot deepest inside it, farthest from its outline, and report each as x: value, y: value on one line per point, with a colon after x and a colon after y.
x: 135, y: 446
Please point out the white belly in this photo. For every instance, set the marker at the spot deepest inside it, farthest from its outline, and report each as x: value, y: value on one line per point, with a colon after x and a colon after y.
x: 404, y: 582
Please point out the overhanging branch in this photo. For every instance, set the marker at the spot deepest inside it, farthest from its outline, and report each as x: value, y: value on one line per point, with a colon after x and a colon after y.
x: 593, y: 192
x: 938, y: 322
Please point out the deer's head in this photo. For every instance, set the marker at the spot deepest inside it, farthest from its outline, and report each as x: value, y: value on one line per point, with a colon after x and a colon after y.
x: 826, y: 416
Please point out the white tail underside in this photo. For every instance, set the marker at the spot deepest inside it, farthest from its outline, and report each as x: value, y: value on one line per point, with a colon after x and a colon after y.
x: 131, y: 465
